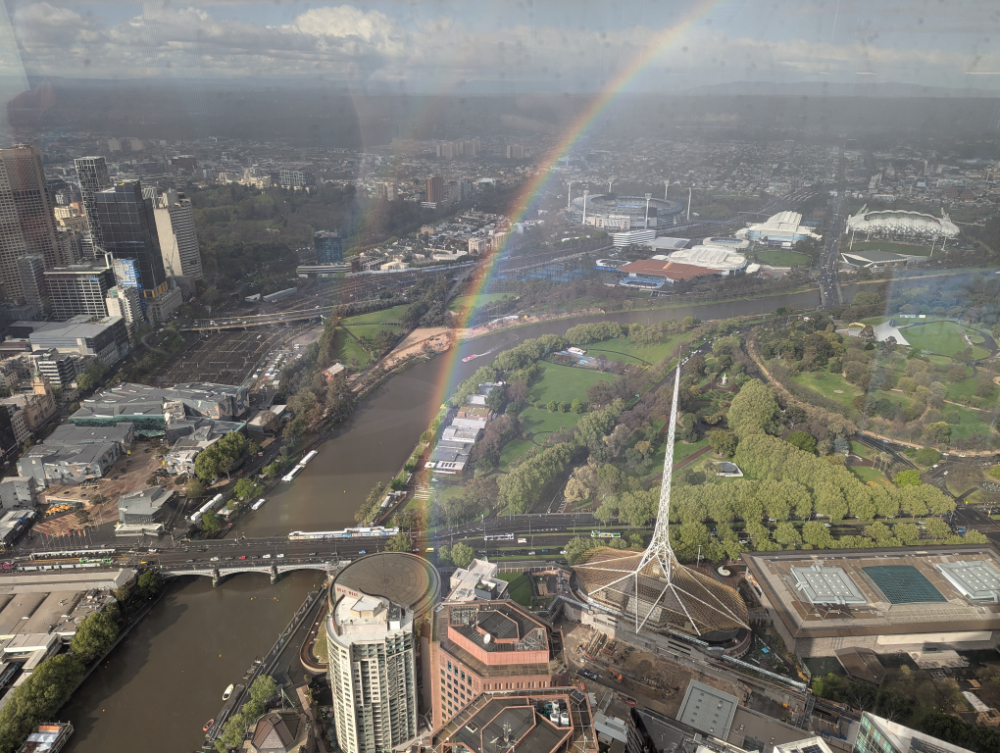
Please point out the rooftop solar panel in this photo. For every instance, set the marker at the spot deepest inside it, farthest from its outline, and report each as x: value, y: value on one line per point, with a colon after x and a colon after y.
x: 903, y: 584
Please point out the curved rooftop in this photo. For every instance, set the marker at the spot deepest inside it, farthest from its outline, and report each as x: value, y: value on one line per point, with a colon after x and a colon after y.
x: 404, y: 579
x: 902, y: 222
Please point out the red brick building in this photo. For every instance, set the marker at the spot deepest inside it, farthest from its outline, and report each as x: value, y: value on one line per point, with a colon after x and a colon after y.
x: 490, y: 646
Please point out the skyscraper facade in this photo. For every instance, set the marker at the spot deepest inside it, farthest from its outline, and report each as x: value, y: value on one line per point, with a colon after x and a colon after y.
x: 128, y: 231
x: 178, y: 238
x: 329, y: 247
x: 31, y: 271
x: 27, y: 225
x: 373, y: 672
x: 435, y: 189
x: 92, y: 173
x: 79, y: 289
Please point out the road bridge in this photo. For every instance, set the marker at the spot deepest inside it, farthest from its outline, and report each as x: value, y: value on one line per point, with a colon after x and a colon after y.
x: 274, y: 570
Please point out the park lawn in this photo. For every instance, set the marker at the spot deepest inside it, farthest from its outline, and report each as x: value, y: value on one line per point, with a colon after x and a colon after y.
x: 777, y: 258
x: 566, y: 383
x: 518, y: 588
x: 965, y: 388
x: 861, y: 450
x: 873, y: 320
x: 971, y: 422
x: 371, y: 330
x: 348, y: 348
x: 465, y: 301
x: 535, y: 420
x: 867, y: 474
x: 620, y: 348
x: 683, y: 450
x: 941, y: 337
x: 907, y: 249
x: 377, y: 317
x: 514, y: 450
x: 825, y: 382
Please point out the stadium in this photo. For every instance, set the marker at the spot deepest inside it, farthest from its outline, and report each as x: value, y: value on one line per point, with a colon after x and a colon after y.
x: 622, y: 213
x: 893, y: 223
x: 889, y: 600
x: 781, y: 229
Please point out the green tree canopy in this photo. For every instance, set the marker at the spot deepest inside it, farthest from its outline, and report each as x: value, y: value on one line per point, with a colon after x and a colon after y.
x: 754, y: 410
x: 95, y: 635
x: 462, y: 555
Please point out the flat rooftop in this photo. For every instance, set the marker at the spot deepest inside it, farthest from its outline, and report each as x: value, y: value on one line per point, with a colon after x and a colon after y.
x: 708, y: 709
x: 881, y: 591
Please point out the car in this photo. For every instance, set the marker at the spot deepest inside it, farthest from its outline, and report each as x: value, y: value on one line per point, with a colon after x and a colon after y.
x: 243, y: 556
x: 563, y: 551
x: 531, y: 554
x: 267, y: 556
x: 189, y: 560
x: 312, y: 554
x: 429, y: 549
x: 228, y: 559
x: 280, y: 556
x: 214, y: 559
x: 363, y: 551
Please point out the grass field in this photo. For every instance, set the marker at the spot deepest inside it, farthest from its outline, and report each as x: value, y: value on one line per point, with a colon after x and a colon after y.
x: 944, y: 338
x: 514, y: 450
x: 861, y: 450
x: 519, y: 587
x: 683, y: 450
x: 464, y: 301
x: 534, y: 420
x: 610, y: 349
x: 376, y: 317
x: 867, y: 474
x: 907, y: 249
x: 348, y: 349
x: 971, y: 422
x: 777, y: 258
x: 566, y: 383
x: 825, y: 383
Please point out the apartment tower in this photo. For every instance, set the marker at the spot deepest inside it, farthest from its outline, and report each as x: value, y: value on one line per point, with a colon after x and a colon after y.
x: 27, y: 225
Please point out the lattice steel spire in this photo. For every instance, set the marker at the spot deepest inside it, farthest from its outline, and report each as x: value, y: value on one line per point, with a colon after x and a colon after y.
x: 654, y: 586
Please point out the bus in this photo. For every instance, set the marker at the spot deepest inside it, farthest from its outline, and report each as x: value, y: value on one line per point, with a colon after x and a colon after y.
x: 605, y: 535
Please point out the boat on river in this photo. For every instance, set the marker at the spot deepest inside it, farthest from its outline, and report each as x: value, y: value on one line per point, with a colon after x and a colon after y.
x: 208, y: 725
x: 228, y: 692
x: 472, y: 357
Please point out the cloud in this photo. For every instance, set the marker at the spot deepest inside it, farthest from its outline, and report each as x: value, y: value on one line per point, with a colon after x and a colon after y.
x: 446, y: 52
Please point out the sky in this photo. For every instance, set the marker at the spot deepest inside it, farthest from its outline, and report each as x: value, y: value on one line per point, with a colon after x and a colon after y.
x: 444, y: 46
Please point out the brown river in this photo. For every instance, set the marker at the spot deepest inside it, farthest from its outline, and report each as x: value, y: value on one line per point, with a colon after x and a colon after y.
x: 166, y: 679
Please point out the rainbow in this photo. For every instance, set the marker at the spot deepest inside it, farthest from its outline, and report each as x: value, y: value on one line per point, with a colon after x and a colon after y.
x: 639, y: 62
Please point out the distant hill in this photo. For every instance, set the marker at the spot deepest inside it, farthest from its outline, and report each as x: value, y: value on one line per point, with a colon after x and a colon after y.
x: 833, y: 89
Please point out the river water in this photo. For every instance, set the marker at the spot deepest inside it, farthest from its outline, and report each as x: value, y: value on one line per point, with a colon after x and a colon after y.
x: 166, y: 679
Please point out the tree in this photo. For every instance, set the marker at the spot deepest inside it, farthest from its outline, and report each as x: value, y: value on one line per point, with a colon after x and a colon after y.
x: 263, y: 688
x: 803, y: 440
x: 787, y: 535
x: 754, y: 410
x: 38, y: 698
x: 245, y: 488
x: 210, y: 522
x: 95, y: 635
x: 149, y: 583
x: 927, y: 456
x: 552, y: 406
x: 194, y: 488
x: 908, y: 478
x: 577, y: 406
x: 462, y: 555
x: 444, y: 555
x: 723, y: 442
x: 399, y: 543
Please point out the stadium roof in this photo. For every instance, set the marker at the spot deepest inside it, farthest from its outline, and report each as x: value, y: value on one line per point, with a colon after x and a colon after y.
x: 666, y: 269
x: 902, y: 223
x: 713, y: 257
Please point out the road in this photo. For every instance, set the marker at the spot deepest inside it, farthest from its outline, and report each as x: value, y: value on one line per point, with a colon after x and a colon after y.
x: 829, y: 259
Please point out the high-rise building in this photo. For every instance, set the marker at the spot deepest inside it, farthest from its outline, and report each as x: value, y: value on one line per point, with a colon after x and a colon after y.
x: 435, y: 189
x: 481, y: 646
x: 178, y: 238
x: 79, y: 289
x: 878, y: 735
x: 515, y: 151
x: 70, y: 247
x: 379, y: 607
x: 92, y: 173
x: 26, y: 220
x: 124, y: 302
x: 329, y: 247
x: 128, y: 230
x: 31, y: 270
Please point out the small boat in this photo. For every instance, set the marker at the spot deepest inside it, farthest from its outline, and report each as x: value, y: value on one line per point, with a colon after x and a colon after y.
x: 469, y: 358
x: 228, y: 692
x: 208, y: 725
